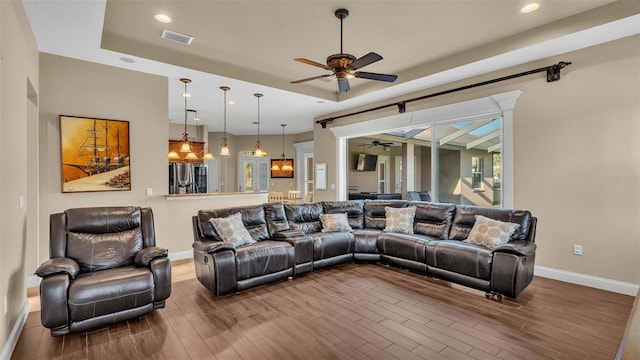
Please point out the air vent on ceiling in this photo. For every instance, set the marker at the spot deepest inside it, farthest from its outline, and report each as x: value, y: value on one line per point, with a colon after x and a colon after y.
x: 172, y: 35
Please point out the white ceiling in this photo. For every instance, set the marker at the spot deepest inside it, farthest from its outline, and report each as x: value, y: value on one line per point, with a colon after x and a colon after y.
x: 250, y: 45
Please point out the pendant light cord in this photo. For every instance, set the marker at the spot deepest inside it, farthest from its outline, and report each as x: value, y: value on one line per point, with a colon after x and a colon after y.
x: 283, y: 156
x: 258, y: 118
x: 184, y: 136
x: 225, y: 114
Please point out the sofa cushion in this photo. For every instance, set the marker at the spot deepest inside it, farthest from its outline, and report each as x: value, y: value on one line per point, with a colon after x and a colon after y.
x: 263, y: 258
x: 465, y: 217
x: 433, y: 219
x: 374, y: 214
x: 490, y: 233
x: 353, y: 208
x: 108, y: 291
x: 399, y: 220
x: 335, y: 222
x: 95, y: 252
x: 276, y: 217
x: 366, y: 241
x: 328, y: 245
x: 304, y: 217
x: 404, y: 246
x: 253, y: 218
x: 100, y: 220
x: 232, y: 231
x: 459, y: 257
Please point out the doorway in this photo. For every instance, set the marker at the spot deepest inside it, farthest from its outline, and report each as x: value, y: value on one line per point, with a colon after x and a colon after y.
x: 253, y: 173
x: 383, y: 174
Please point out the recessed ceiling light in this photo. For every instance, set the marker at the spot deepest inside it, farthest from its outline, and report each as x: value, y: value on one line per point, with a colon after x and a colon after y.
x: 163, y: 18
x: 187, y: 95
x: 231, y: 102
x: 529, y: 8
x: 126, y: 59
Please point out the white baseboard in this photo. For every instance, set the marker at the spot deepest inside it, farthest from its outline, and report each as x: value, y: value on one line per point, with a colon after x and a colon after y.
x: 587, y: 280
x: 181, y: 255
x: 33, y: 281
x: 12, y: 341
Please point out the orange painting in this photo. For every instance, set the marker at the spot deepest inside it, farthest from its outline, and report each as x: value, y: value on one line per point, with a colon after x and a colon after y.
x: 94, y: 154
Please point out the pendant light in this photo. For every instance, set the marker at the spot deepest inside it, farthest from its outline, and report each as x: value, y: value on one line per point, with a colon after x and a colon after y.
x: 225, y: 147
x: 282, y: 164
x: 258, y: 151
x: 208, y: 155
x: 186, y: 143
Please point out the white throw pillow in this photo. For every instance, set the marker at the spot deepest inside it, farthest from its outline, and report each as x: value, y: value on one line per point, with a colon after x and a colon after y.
x: 335, y: 222
x: 399, y: 220
x: 490, y: 233
x: 231, y: 230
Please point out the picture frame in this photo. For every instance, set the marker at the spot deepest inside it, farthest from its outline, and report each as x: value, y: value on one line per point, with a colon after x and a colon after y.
x: 94, y: 154
x: 281, y: 173
x: 321, y: 176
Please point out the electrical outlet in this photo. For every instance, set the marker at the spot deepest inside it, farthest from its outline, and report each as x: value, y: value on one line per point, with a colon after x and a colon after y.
x: 577, y: 250
x: 149, y: 191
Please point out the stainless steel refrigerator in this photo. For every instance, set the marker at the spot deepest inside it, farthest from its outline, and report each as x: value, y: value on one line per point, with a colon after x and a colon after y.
x: 186, y: 178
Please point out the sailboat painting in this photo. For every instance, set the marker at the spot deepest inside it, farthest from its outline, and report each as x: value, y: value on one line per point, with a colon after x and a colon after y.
x: 94, y: 154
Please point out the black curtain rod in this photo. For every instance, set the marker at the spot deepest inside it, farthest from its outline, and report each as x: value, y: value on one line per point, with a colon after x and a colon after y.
x: 553, y: 74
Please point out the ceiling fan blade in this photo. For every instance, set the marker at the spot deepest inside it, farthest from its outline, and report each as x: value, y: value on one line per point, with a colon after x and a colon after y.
x: 370, y: 58
x: 311, y: 78
x: 343, y: 85
x: 313, y: 63
x: 375, y: 76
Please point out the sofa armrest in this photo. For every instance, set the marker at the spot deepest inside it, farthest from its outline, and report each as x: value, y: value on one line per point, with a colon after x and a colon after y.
x: 161, y: 269
x: 54, y: 296
x: 212, y: 247
x: 287, y: 234
x: 58, y: 266
x: 143, y: 257
x: 517, y: 247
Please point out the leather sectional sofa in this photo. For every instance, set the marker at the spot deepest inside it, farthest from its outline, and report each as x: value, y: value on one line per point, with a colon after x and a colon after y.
x: 290, y: 242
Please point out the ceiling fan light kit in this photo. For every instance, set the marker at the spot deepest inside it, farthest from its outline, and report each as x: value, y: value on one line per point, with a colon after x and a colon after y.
x: 343, y: 65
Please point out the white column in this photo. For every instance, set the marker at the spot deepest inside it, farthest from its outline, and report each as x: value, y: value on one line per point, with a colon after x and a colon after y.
x: 507, y: 103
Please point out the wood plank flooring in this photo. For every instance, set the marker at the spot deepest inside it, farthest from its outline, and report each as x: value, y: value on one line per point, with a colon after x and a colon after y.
x: 355, y: 311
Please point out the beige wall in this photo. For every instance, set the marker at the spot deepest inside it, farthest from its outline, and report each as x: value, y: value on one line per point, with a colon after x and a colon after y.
x: 576, y: 156
x: 238, y: 143
x: 80, y: 88
x: 18, y: 159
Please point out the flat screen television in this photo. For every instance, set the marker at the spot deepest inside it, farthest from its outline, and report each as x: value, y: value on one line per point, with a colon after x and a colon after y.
x: 366, y: 162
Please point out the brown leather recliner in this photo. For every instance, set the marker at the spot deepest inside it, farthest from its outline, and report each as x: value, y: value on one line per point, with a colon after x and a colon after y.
x: 104, y: 267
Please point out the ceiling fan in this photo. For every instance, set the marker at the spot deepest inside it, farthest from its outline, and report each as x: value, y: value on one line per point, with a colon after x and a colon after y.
x: 375, y: 143
x: 344, y: 65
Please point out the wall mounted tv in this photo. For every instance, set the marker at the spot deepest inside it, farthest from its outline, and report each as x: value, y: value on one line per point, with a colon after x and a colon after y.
x: 366, y: 162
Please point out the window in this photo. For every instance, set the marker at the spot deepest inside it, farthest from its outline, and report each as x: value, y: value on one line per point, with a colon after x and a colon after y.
x: 308, y: 174
x: 497, y: 170
x: 476, y: 173
x: 451, y: 149
x: 464, y: 161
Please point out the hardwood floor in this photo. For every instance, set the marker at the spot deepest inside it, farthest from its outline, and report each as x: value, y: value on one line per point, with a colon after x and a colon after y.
x: 355, y: 311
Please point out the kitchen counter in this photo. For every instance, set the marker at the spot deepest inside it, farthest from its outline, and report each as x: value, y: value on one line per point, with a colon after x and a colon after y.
x: 262, y: 195
x: 374, y: 196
